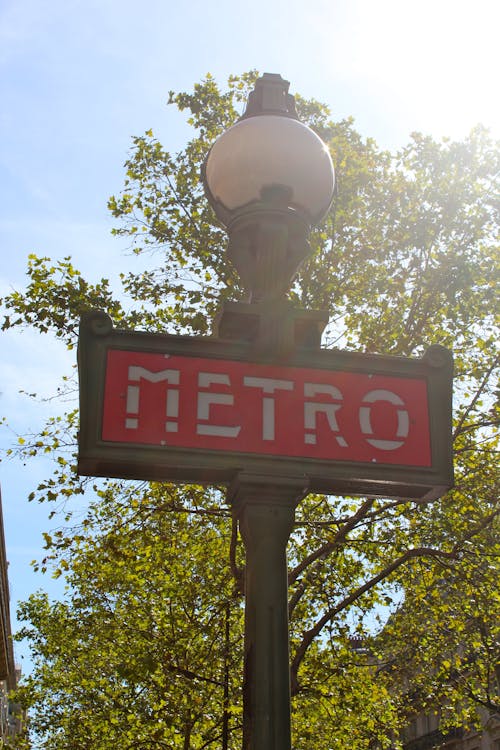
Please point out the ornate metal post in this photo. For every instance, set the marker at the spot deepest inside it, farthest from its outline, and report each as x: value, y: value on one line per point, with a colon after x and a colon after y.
x: 269, y: 179
x: 265, y: 509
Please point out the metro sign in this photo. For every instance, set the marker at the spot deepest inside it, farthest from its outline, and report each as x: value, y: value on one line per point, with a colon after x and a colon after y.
x: 201, y: 409
x: 194, y: 402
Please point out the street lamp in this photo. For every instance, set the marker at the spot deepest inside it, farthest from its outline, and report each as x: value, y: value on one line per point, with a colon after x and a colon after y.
x: 269, y: 179
x: 255, y: 407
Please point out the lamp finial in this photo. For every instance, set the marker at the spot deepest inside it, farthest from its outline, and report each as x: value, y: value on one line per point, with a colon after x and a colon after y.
x: 270, y: 97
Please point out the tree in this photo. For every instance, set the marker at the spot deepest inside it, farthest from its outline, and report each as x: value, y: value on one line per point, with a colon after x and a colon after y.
x: 153, y: 614
x: 135, y: 654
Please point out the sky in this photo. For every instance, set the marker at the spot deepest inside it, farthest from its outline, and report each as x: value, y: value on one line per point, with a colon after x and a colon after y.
x: 79, y: 78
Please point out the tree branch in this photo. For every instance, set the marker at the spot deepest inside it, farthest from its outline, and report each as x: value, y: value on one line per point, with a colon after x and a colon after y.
x: 236, y: 571
x: 477, y: 395
x: 417, y: 552
x: 313, y: 632
x: 329, y: 546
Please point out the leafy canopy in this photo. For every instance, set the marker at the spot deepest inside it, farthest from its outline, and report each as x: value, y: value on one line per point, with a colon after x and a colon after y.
x: 393, y: 604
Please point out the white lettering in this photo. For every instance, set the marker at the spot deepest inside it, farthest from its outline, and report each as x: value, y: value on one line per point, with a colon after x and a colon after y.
x: 138, y: 373
x: 135, y: 374
x: 311, y: 409
x: 403, y: 426
x: 268, y: 385
x: 207, y: 399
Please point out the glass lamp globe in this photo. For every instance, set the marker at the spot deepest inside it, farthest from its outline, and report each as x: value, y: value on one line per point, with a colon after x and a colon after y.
x: 269, y: 160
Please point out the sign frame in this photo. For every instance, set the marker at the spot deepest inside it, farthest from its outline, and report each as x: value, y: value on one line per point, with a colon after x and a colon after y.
x: 97, y: 457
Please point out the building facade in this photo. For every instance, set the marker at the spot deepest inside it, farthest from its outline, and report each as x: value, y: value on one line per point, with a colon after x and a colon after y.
x: 10, y: 713
x: 424, y: 734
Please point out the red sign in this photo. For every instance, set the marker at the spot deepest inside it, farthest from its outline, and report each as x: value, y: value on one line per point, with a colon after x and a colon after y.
x: 234, y: 406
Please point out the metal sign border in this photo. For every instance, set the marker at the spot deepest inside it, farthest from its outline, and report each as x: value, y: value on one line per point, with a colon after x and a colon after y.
x: 191, y: 465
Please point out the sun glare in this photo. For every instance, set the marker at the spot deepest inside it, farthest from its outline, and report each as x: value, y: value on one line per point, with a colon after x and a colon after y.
x: 438, y: 59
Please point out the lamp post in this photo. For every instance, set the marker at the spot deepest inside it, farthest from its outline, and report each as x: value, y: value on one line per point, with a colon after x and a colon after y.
x: 269, y: 179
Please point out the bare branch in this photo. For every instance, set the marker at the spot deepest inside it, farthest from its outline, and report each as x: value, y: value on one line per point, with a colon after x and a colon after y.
x: 329, y: 546
x: 418, y: 552
x: 477, y: 395
x: 236, y: 571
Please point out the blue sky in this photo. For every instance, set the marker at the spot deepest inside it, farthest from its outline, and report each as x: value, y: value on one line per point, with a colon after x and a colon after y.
x: 78, y: 78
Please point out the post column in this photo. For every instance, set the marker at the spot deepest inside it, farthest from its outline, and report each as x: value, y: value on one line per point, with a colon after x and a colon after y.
x: 265, y: 508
